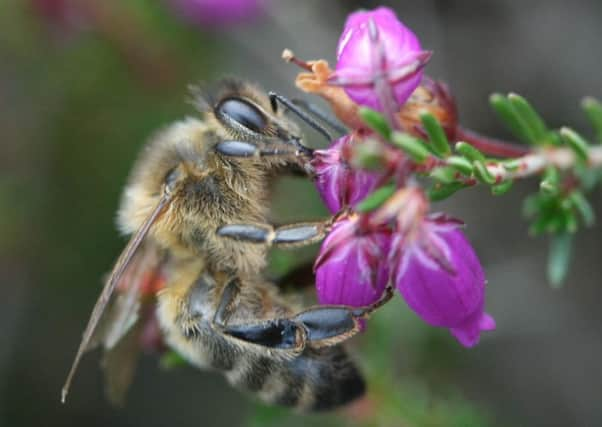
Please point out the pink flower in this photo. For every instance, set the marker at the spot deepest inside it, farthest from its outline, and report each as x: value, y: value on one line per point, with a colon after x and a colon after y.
x: 219, y: 13
x: 440, y: 277
x: 377, y: 52
x: 351, y: 268
x: 340, y: 185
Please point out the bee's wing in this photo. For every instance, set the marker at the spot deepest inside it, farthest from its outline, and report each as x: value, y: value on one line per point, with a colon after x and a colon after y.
x: 119, y: 270
x: 120, y: 331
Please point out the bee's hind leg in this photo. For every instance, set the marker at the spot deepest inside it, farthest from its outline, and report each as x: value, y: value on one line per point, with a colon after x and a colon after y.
x: 318, y: 326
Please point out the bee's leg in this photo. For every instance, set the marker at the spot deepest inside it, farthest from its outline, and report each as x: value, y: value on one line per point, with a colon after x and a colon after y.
x: 291, y: 235
x: 282, y: 334
x: 318, y: 326
x: 328, y: 325
x: 228, y: 301
x: 246, y: 149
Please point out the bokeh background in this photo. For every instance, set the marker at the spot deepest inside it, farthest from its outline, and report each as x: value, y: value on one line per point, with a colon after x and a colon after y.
x: 83, y: 83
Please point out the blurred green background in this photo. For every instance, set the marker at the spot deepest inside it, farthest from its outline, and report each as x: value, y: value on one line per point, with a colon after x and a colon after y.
x: 79, y: 94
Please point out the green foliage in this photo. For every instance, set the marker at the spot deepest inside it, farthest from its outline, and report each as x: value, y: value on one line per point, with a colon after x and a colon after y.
x: 376, y: 122
x: 559, y: 258
x: 502, y: 188
x: 442, y: 191
x: 579, y: 145
x: 376, y: 199
x: 413, y: 147
x: 438, y: 140
x: 593, y: 110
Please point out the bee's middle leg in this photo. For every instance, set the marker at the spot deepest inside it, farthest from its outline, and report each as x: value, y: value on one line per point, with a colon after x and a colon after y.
x: 291, y: 235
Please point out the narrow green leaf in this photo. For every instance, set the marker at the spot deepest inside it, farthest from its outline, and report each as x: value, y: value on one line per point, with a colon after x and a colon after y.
x: 506, y: 112
x: 444, y: 174
x: 443, y: 191
x: 559, y: 258
x: 511, y: 165
x: 461, y: 164
x: 584, y: 208
x: 375, y: 121
x: 530, y: 117
x: 593, y: 110
x: 578, y: 144
x: 501, y: 188
x: 413, y: 147
x: 482, y: 173
x: 439, y: 142
x: 375, y: 199
x: 469, y: 152
x: 551, y: 181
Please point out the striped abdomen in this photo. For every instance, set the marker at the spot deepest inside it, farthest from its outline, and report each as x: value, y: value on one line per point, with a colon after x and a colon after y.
x: 316, y: 379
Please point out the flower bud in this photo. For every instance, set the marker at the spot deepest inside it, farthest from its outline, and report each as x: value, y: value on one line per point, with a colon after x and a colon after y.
x: 376, y: 47
x: 440, y: 277
x: 337, y: 182
x: 352, y: 267
x: 430, y: 97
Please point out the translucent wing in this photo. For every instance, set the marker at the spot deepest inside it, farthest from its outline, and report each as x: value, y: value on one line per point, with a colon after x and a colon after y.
x: 125, y: 316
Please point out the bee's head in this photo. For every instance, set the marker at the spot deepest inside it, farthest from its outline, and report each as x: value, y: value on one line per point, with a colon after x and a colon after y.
x: 251, y: 125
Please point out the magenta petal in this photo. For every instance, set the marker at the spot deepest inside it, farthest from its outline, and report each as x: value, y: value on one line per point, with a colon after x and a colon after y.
x: 355, y: 52
x: 338, y: 184
x: 468, y: 334
x: 356, y: 273
x: 452, y: 298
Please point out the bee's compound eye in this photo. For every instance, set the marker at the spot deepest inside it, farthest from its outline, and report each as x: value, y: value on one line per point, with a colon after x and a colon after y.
x: 243, y: 113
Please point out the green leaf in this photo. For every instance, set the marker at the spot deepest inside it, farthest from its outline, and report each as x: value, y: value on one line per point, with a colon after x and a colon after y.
x: 443, y: 191
x: 375, y: 199
x: 469, y: 152
x: 584, y: 208
x: 511, y: 165
x: 577, y: 143
x: 376, y: 121
x: 532, y: 120
x: 444, y: 174
x: 501, y: 188
x: 551, y: 181
x: 437, y: 137
x: 413, y: 147
x: 507, y: 113
x: 482, y: 173
x: 461, y: 164
x: 593, y: 110
x: 559, y: 258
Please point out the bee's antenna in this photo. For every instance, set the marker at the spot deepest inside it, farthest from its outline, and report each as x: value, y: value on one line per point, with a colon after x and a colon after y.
x: 275, y: 98
x: 321, y: 114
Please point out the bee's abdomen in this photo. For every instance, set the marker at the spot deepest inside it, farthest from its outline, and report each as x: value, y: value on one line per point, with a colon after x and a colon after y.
x: 316, y: 380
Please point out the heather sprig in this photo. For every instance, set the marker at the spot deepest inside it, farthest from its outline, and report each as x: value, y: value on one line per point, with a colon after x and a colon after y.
x: 406, y: 150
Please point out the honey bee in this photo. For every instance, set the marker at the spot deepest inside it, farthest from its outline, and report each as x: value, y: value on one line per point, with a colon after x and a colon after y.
x: 196, y: 207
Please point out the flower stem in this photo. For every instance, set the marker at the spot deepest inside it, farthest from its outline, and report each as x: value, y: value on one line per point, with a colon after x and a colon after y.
x: 490, y: 146
x: 537, y: 161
